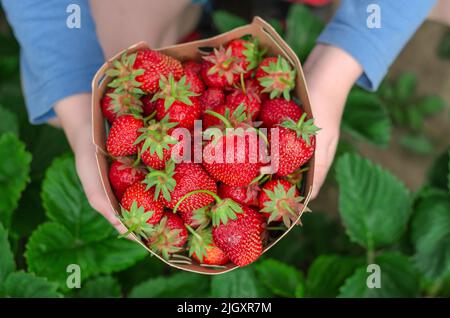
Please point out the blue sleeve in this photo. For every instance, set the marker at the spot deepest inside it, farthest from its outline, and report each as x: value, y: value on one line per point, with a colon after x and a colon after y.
x: 375, y: 48
x: 56, y: 61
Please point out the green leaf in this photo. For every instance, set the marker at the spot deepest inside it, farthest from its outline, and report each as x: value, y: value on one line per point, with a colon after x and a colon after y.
x: 52, y: 247
x: 283, y: 280
x: 276, y: 24
x: 14, y: 174
x: 8, y: 121
x: 439, y: 174
x: 419, y: 144
x: 302, y: 29
x: 328, y: 273
x: 405, y: 86
x: 65, y: 202
x: 225, y: 21
x: 179, y: 285
x: 100, y: 287
x: 239, y: 283
x: 145, y: 269
x: 7, y: 264
x: 444, y: 46
x: 374, y: 205
x: 398, y: 278
x: 365, y: 117
x: 448, y: 174
x: 430, y: 234
x: 431, y: 105
x: 27, y: 285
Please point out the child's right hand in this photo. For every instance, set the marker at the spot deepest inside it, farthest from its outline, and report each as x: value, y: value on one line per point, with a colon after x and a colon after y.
x: 74, y: 114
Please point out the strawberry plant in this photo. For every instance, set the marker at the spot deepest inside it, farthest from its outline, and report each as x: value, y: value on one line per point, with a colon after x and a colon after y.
x: 47, y: 224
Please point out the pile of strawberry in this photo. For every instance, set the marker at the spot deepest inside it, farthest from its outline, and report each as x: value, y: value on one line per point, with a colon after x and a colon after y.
x: 216, y: 211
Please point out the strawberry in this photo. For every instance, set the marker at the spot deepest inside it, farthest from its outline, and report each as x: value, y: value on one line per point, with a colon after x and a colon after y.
x: 234, y: 157
x: 136, y: 220
x: 211, y: 98
x: 176, y: 101
x: 247, y: 95
x: 221, y: 69
x: 176, y: 181
x: 124, y: 132
x: 168, y: 236
x: 197, y: 218
x: 280, y: 200
x: 275, y: 111
x: 295, y: 145
x: 276, y: 76
x: 203, y: 250
x: 155, y: 143
x: 143, y: 198
x: 196, y: 84
x: 116, y: 104
x: 192, y: 66
x: 123, y: 173
x: 243, y: 195
x: 248, y: 52
x: 148, y: 106
x: 237, y: 229
x: 240, y: 238
x: 140, y: 72
x: 235, y: 114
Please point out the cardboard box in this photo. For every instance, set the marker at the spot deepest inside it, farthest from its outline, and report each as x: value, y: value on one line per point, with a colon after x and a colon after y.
x: 268, y: 39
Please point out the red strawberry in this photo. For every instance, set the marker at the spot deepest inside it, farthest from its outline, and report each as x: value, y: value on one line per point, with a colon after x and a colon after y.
x: 248, y: 52
x: 275, y: 111
x: 276, y: 76
x: 123, y: 173
x: 203, y: 250
x: 192, y: 66
x: 243, y: 195
x: 168, y: 236
x: 211, y: 98
x: 155, y: 143
x: 295, y: 145
x: 176, y: 181
x: 147, y: 105
x: 123, y: 134
x: 238, y: 168
x: 143, y: 198
x: 221, y: 69
x: 140, y: 72
x: 117, y: 104
x: 196, y: 84
x: 280, y: 200
x: 247, y: 96
x: 177, y: 102
x: 240, y: 238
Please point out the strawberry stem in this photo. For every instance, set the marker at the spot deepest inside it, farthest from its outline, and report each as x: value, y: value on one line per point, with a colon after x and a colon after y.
x: 187, y: 195
x: 243, y: 83
x: 221, y: 117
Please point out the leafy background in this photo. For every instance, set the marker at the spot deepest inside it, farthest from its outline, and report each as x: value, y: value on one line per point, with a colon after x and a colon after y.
x: 392, y: 211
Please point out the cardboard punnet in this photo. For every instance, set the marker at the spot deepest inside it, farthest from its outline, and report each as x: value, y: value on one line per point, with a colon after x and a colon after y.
x: 269, y: 39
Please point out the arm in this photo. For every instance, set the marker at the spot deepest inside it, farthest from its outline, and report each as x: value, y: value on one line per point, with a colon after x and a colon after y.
x: 348, y: 52
x: 57, y: 65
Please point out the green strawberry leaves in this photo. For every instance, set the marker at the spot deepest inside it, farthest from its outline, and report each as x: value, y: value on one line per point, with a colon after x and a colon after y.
x: 14, y: 174
x: 430, y: 234
x: 20, y: 284
x: 180, y: 285
x: 283, y: 280
x: 365, y: 117
x: 397, y: 278
x: 374, y: 205
x: 76, y: 233
x: 239, y: 283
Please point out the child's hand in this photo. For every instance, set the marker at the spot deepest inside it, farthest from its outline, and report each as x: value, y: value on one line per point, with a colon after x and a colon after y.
x: 74, y: 114
x: 330, y: 74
